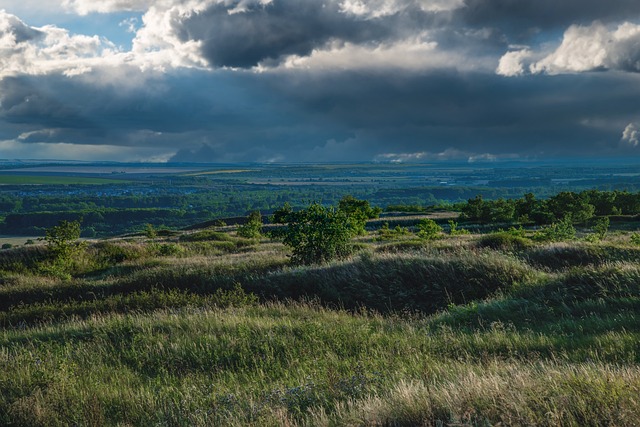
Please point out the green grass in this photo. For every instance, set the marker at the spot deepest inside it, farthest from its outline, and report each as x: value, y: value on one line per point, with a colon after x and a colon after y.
x: 440, y: 333
x: 55, y: 180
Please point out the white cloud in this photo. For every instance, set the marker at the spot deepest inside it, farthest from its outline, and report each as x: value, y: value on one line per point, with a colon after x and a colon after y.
x: 370, y: 9
x: 512, y: 63
x: 43, y: 50
x: 631, y: 134
x: 411, y: 54
x: 583, y: 48
x: 85, y: 7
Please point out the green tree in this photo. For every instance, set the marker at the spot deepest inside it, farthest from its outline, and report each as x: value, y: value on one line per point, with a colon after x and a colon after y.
x: 557, y: 231
x: 150, y: 231
x: 601, y: 227
x: 280, y: 215
x: 428, y: 229
x: 571, y: 205
x: 474, y: 209
x: 317, y: 234
x: 64, y: 247
x: 359, y: 211
x: 251, y: 229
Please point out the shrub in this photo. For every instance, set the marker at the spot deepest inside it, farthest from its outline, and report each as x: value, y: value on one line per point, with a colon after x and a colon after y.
x: 454, y: 230
x: 635, y: 238
x: 359, y: 210
x: 503, y: 240
x: 601, y: 227
x: 428, y: 229
x: 63, y: 248
x: 7, y: 246
x: 166, y: 249
x: 556, y: 232
x: 252, y: 229
x: 150, y: 231
x: 317, y: 234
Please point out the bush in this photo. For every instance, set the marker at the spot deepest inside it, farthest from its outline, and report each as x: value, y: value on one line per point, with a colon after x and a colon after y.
x: 454, y: 230
x: 166, y: 249
x: 64, y: 248
x: 428, y: 229
x: 252, y: 229
x: 150, y: 231
x: 317, y: 234
x: 503, y: 240
x: 601, y: 227
x: 556, y: 232
x: 7, y: 246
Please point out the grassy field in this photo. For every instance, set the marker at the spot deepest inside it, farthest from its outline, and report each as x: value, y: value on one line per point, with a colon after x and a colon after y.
x: 207, y: 328
x: 55, y: 180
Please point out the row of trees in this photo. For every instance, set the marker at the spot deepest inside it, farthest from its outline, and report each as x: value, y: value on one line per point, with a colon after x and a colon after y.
x: 578, y: 207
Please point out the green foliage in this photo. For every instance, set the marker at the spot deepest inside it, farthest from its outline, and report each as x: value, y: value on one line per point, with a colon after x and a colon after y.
x: 635, y: 238
x: 406, y: 208
x: 601, y: 227
x: 557, y: 232
x: 206, y: 235
x: 252, y: 228
x: 454, y: 230
x: 165, y: 249
x: 574, y: 206
x: 150, y: 231
x: 359, y: 211
x: 7, y: 246
x: 64, y: 248
x: 385, y: 233
x: 280, y: 215
x: 428, y: 229
x: 317, y: 234
x: 504, y: 240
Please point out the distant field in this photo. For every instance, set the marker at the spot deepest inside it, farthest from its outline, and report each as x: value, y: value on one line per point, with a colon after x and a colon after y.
x: 55, y: 180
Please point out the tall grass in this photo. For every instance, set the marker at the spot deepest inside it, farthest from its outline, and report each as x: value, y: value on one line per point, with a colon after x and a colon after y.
x: 443, y: 333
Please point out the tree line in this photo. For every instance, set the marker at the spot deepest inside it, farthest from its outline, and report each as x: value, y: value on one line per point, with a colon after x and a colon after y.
x: 578, y: 207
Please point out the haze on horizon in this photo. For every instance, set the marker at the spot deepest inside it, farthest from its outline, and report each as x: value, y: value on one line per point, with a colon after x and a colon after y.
x: 319, y: 80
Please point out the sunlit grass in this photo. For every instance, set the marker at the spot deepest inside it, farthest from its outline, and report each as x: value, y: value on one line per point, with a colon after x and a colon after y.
x: 402, y: 333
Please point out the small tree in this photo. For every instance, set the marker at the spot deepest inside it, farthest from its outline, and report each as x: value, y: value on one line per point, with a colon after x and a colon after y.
x: 150, y: 231
x: 558, y: 231
x: 428, y: 229
x: 252, y: 229
x: 317, y: 234
x: 359, y: 211
x: 62, y: 241
x: 601, y: 227
x: 454, y: 230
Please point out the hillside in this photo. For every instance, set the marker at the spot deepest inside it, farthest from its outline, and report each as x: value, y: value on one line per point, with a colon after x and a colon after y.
x: 208, y: 328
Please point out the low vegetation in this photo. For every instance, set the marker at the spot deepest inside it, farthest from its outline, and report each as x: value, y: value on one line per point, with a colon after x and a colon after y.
x: 319, y: 321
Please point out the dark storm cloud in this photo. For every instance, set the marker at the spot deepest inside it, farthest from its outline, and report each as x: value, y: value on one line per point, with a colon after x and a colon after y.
x: 230, y: 116
x: 546, y: 14
x: 287, y: 27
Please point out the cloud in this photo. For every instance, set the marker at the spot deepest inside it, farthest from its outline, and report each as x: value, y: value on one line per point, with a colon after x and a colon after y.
x: 595, y: 47
x: 631, y: 135
x: 525, y: 18
x: 84, y: 7
x: 512, y: 63
x: 248, y: 33
x: 48, y: 49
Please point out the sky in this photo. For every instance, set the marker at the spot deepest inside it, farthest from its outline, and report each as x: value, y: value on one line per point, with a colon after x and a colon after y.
x: 319, y: 80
